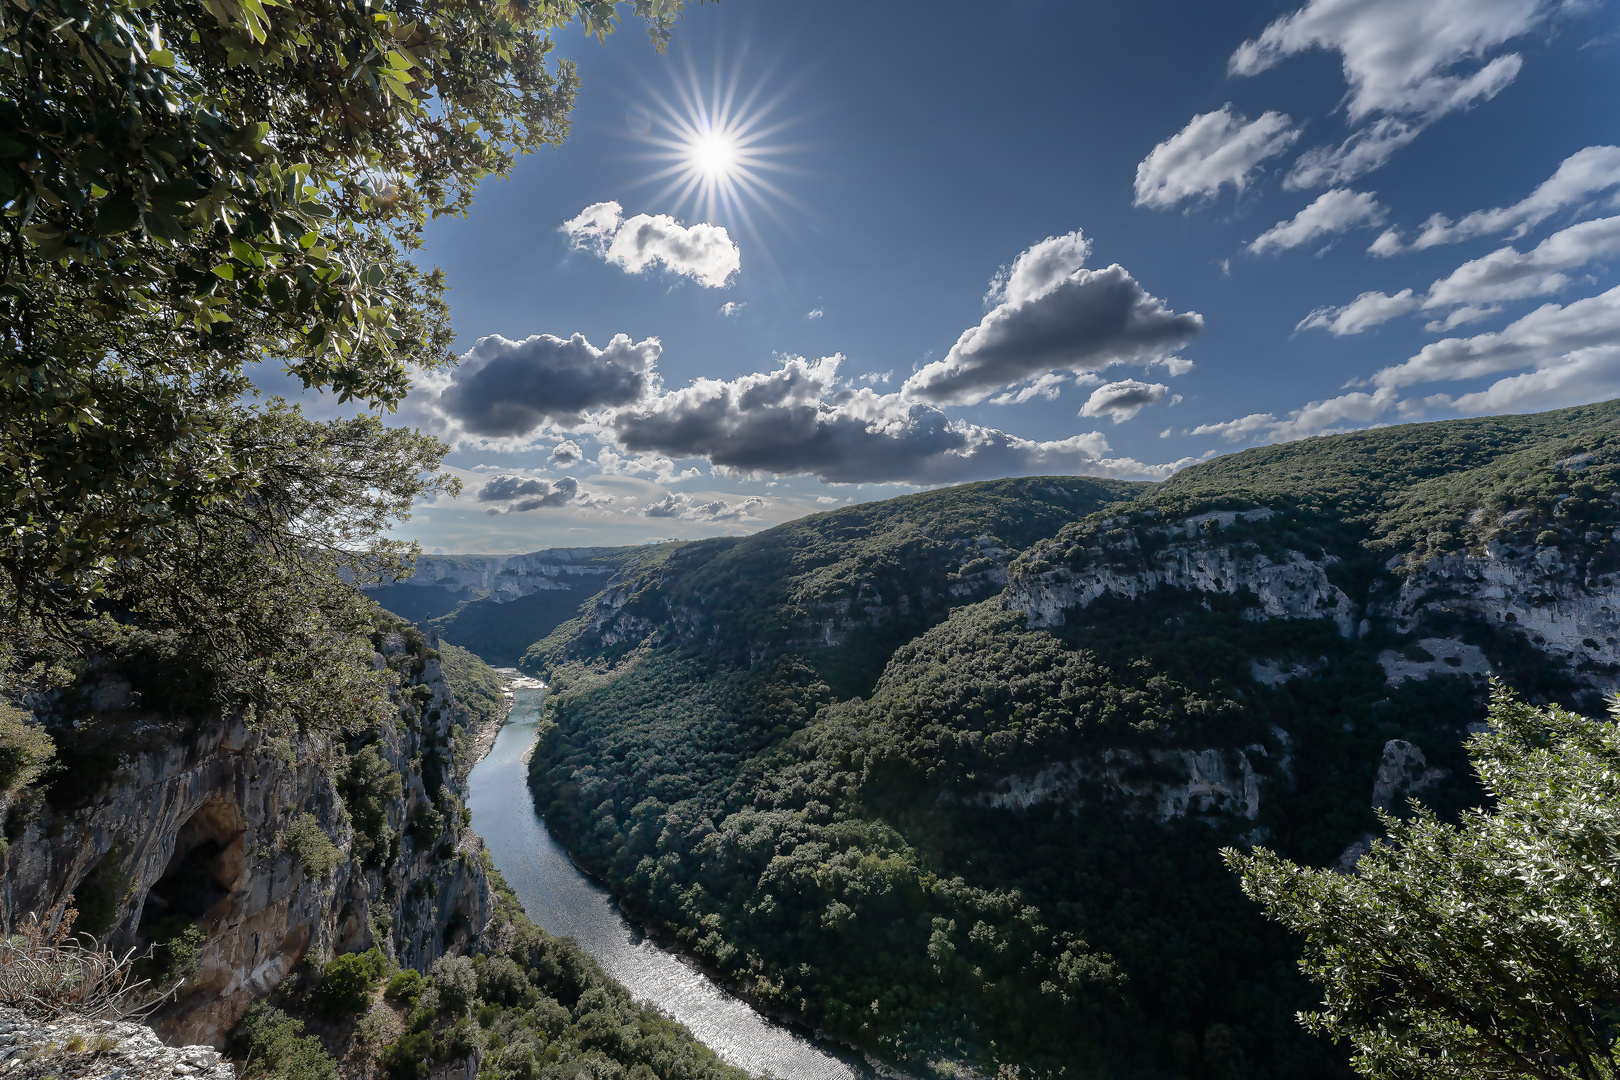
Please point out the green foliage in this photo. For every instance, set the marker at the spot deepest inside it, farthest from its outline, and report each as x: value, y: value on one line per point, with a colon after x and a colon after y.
x: 1484, y: 948
x: 347, y: 982
x: 312, y: 850
x: 475, y: 686
x: 187, y: 187
x: 101, y: 894
x: 277, y: 1049
x: 176, y: 942
x: 25, y: 750
x: 405, y: 987
x: 368, y: 785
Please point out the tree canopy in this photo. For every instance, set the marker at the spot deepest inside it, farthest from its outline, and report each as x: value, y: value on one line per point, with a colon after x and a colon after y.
x: 1483, y: 949
x: 192, y: 187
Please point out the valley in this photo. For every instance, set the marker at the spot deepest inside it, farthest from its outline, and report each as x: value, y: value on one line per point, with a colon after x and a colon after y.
x: 946, y: 776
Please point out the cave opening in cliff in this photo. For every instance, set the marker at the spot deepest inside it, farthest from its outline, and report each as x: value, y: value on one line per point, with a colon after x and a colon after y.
x: 207, y: 860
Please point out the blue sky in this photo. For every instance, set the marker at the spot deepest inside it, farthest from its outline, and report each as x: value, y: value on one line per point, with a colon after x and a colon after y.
x: 1033, y: 237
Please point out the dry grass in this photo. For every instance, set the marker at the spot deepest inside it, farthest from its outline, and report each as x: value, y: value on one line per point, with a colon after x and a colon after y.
x: 45, y: 971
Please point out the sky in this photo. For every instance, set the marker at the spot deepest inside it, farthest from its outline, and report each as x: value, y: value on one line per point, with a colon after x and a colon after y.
x: 823, y: 253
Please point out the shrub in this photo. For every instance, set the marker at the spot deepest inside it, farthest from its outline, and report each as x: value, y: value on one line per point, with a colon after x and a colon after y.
x: 347, y: 981
x: 405, y: 987
x: 456, y: 980
x: 501, y: 981
x: 278, y: 1049
x: 368, y: 785
x: 311, y: 848
x: 45, y: 973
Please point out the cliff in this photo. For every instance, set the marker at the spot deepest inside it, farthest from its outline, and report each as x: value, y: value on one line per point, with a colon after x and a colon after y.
x: 209, y: 823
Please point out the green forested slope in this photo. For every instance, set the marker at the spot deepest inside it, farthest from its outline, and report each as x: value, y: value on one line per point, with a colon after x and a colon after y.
x: 809, y: 755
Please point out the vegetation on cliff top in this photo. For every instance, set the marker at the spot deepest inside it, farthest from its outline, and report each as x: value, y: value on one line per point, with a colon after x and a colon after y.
x: 801, y: 754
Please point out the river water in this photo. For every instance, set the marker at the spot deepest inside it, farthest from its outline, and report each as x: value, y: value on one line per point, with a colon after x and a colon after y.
x: 565, y: 902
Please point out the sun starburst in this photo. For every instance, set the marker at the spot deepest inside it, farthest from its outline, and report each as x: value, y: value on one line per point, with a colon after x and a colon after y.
x: 718, y: 151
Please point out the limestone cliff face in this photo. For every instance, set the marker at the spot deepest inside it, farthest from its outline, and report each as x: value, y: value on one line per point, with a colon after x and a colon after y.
x: 200, y: 822
x: 1542, y: 595
x: 507, y: 577
x: 1182, y: 554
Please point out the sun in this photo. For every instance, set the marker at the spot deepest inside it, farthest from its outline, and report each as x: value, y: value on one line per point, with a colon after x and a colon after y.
x: 718, y: 148
x: 712, y: 153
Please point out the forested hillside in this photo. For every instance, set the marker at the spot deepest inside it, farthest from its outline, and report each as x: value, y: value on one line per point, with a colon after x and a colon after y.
x: 946, y: 775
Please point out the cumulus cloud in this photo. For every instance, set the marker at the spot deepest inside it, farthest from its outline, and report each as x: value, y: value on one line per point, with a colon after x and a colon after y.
x: 796, y: 420
x: 566, y: 453
x: 1048, y: 386
x: 1550, y: 331
x: 1333, y: 212
x: 1407, y: 64
x: 732, y: 308
x: 1214, y: 149
x: 702, y: 252
x: 684, y: 507
x: 1124, y: 399
x: 1580, y: 176
x: 1479, y: 284
x: 506, y: 389
x: 522, y: 493
x: 1053, y: 314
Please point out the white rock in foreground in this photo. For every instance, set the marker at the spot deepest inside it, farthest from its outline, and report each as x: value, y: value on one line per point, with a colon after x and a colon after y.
x: 74, y: 1049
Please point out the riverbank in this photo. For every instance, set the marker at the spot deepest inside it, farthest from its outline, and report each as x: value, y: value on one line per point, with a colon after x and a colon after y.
x: 566, y: 902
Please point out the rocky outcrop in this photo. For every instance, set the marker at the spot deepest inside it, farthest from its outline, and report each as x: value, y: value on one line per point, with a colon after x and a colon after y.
x: 1402, y: 771
x: 1543, y: 596
x: 70, y: 1048
x: 1181, y: 554
x: 1434, y: 656
x: 1162, y: 784
x: 212, y: 821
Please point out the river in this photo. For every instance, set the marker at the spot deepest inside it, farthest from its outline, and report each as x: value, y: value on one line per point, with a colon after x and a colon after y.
x: 565, y: 902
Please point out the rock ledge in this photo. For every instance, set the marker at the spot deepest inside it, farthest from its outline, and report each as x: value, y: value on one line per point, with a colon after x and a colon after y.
x: 76, y: 1049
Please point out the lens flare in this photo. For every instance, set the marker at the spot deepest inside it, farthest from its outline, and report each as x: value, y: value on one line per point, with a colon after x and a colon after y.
x: 717, y: 148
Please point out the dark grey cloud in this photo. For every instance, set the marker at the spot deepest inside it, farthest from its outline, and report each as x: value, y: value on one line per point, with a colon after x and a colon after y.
x: 684, y: 507
x: 1124, y: 399
x: 795, y: 420
x: 1054, y: 315
x: 506, y: 389
x: 528, y: 492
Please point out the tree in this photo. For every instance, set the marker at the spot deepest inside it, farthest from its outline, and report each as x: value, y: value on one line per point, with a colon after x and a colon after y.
x: 1489, y: 948
x: 187, y: 186
x: 191, y: 186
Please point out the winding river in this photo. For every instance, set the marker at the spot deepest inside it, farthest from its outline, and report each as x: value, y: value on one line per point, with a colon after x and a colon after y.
x: 565, y: 902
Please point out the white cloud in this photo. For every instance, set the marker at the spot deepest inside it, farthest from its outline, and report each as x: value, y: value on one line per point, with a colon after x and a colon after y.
x: 827, y: 500
x: 1550, y: 331
x: 1333, y: 212
x: 1406, y: 62
x: 684, y: 507
x: 814, y: 313
x: 1124, y: 399
x: 1053, y: 314
x: 1475, y: 286
x: 732, y: 308
x: 566, y: 453
x: 702, y: 252
x: 1507, y: 274
x: 1364, y: 312
x: 1343, y: 413
x: 1575, y: 378
x: 1580, y: 176
x: 1214, y: 149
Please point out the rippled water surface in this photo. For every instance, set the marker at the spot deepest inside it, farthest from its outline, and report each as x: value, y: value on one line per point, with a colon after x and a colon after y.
x: 567, y: 903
